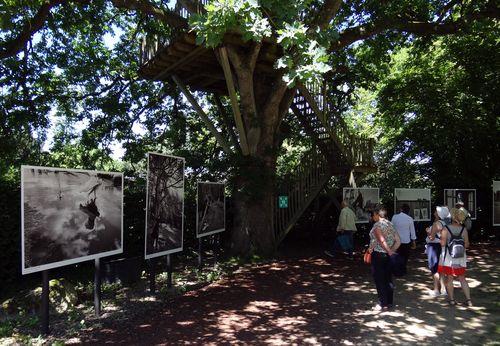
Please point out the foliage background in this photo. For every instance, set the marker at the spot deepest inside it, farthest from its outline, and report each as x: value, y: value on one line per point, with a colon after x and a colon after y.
x: 431, y: 103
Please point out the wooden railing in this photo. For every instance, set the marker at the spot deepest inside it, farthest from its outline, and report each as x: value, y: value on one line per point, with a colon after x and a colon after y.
x: 357, y: 150
x: 301, y: 187
x: 151, y: 44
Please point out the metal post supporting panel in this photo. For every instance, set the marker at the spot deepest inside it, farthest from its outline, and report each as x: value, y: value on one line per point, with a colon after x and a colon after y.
x: 97, y: 287
x: 45, y: 303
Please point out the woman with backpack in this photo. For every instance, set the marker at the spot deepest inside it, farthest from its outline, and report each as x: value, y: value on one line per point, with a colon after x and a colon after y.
x: 442, y: 218
x: 453, y: 261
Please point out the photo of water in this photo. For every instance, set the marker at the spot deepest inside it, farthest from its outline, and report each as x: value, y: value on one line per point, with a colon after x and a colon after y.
x: 69, y: 216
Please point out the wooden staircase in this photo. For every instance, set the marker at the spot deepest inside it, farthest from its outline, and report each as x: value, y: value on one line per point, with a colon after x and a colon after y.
x: 301, y: 187
x: 338, y: 153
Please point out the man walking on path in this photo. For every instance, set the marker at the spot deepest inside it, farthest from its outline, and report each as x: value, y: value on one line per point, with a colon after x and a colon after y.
x: 403, y: 223
x: 346, y: 228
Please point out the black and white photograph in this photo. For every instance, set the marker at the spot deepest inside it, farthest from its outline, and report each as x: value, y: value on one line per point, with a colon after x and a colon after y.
x: 465, y: 196
x: 210, y: 209
x: 423, y: 214
x: 496, y: 203
x: 362, y: 201
x: 416, y: 214
x: 419, y: 201
x: 69, y: 216
x: 164, y: 205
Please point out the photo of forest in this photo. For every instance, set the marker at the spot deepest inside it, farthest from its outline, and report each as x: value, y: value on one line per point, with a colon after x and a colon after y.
x: 210, y: 209
x: 69, y: 216
x: 165, y: 205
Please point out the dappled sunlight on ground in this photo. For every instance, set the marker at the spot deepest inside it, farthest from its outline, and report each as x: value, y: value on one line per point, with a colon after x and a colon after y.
x: 315, y: 300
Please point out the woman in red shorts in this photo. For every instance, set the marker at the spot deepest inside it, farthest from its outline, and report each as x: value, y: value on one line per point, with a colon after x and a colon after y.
x: 450, y: 267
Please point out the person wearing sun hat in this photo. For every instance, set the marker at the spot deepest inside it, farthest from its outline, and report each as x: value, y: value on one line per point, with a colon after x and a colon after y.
x: 442, y: 217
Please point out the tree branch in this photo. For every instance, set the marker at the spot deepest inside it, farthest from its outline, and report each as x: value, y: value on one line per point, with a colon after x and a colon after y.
x: 285, y: 105
x: 147, y: 8
x: 227, y: 122
x: 446, y: 9
x: 14, y: 46
x: 325, y: 14
x: 192, y: 6
x: 364, y: 31
x: 254, y: 54
x: 276, y: 95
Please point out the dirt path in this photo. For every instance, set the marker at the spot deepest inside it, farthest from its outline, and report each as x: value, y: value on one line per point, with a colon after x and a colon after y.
x: 314, y: 300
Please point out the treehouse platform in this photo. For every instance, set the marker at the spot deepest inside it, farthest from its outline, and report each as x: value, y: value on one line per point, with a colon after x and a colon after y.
x: 197, y: 66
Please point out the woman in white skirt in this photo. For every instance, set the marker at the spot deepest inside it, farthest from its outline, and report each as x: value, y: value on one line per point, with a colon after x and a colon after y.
x: 450, y: 267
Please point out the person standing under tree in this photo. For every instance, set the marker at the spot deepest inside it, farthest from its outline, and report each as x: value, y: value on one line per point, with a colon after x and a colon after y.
x: 384, y: 241
x: 442, y: 218
x: 346, y: 229
x: 450, y: 265
x: 404, y: 225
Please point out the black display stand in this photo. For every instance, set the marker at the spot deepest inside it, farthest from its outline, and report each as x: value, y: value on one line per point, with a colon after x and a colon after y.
x: 200, y: 253
x: 169, y: 272
x: 152, y: 275
x: 97, y: 287
x: 45, y: 303
x: 216, y: 247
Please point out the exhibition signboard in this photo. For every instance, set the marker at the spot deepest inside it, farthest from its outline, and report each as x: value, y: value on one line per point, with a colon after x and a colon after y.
x: 419, y: 201
x: 69, y: 216
x: 164, y: 205
x: 361, y: 201
x: 466, y: 196
x: 210, y: 209
x: 496, y: 203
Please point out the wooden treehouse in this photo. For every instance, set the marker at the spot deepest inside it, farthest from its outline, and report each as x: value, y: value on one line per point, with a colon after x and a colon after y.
x: 196, y: 68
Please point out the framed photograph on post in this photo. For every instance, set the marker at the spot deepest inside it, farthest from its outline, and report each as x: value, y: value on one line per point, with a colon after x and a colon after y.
x: 466, y: 196
x: 69, y: 216
x: 496, y: 203
x: 361, y: 200
x: 210, y: 208
x: 416, y: 199
x: 164, y: 205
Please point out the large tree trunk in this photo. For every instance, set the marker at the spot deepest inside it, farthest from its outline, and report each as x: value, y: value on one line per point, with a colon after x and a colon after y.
x: 264, y: 101
x: 253, y: 209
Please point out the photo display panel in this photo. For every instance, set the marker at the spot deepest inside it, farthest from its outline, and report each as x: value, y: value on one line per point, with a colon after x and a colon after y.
x: 419, y: 201
x: 164, y: 205
x: 210, y: 209
x: 496, y: 203
x: 69, y: 216
x: 361, y: 201
x: 467, y: 196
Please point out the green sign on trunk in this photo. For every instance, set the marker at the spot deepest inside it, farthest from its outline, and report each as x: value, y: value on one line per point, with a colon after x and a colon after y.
x: 283, y: 202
